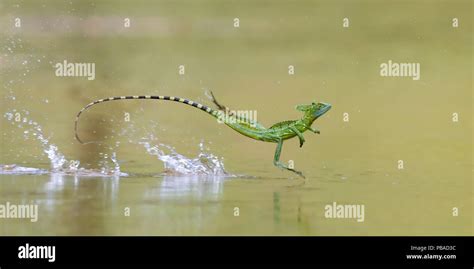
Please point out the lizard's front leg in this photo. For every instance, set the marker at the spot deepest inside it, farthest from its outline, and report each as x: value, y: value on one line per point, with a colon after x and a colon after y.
x: 277, y: 163
x: 299, y: 134
x: 316, y: 131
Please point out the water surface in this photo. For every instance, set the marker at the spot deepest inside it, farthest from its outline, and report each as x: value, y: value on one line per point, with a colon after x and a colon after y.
x: 179, y: 172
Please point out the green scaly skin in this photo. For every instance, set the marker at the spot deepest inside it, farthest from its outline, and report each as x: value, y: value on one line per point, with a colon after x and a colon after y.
x: 277, y: 133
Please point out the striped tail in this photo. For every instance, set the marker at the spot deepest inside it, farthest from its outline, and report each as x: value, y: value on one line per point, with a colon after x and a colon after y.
x: 204, y: 108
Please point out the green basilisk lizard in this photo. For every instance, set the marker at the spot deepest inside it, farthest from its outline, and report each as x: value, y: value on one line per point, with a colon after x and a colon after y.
x: 277, y: 133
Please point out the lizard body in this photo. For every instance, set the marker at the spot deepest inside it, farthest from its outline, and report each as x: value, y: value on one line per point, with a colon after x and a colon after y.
x: 277, y: 133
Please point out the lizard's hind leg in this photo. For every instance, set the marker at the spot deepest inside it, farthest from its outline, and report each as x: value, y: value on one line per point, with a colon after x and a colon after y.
x: 243, y: 119
x: 277, y: 163
x: 219, y: 106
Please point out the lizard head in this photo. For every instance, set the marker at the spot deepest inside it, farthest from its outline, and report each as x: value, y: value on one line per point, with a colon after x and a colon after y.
x: 314, y: 109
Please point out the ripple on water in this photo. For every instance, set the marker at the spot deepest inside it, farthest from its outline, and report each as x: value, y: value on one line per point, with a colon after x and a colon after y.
x: 13, y: 169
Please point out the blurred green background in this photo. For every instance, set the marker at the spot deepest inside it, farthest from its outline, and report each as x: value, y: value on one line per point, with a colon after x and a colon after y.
x: 354, y: 162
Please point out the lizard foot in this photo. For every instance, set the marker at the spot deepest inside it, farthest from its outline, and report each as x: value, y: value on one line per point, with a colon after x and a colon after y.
x: 282, y: 166
x: 299, y: 173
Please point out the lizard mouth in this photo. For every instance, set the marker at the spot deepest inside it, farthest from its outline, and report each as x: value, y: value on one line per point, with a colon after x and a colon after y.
x: 323, y: 110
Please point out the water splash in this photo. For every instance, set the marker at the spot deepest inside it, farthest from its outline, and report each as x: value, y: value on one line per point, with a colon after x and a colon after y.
x: 105, y: 167
x: 175, y: 164
x: 58, y: 162
x: 205, y: 163
x: 32, y: 128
